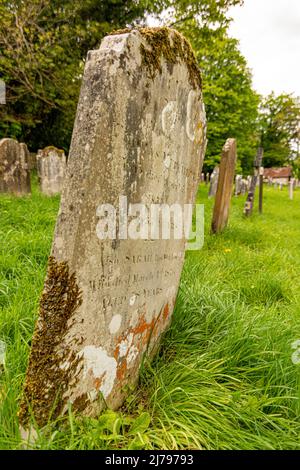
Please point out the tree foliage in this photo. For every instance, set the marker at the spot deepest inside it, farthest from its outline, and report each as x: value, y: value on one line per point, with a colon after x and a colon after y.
x: 231, y: 104
x: 279, y: 124
x: 43, y: 45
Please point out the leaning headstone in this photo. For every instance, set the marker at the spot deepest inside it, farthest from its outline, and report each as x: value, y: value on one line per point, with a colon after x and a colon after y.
x: 254, y: 180
x: 51, y: 166
x: 225, y: 186
x: 244, y: 186
x: 213, y: 182
x: 238, y: 185
x: 14, y: 171
x: 139, y: 137
x: 261, y: 189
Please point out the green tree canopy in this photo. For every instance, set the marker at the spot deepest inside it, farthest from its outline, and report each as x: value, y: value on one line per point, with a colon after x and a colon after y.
x: 43, y: 45
x: 279, y: 123
x: 231, y: 104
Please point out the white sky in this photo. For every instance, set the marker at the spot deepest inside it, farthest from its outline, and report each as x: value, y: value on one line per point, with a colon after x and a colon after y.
x: 269, y: 34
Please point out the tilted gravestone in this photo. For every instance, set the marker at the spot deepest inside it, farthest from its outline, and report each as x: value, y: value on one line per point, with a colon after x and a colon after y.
x: 238, y: 185
x: 51, y: 166
x: 244, y: 186
x: 139, y: 133
x: 214, y: 182
x: 254, y: 181
x: 225, y: 185
x: 14, y: 171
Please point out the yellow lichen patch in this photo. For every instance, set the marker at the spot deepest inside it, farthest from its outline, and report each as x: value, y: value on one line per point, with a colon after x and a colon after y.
x: 168, y: 44
x: 52, y: 364
x: 116, y: 32
x: 51, y: 148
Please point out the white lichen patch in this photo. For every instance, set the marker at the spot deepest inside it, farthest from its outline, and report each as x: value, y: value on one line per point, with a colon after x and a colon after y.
x: 101, y: 365
x: 167, y: 161
x: 125, y: 345
x: 168, y: 117
x: 115, y: 324
x: 132, y: 354
x: 192, y: 110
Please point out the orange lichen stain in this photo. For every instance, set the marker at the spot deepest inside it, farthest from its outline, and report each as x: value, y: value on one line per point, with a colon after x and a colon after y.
x: 142, y: 333
x: 98, y: 382
x: 166, y: 311
x: 116, y: 351
x: 122, y: 369
x: 142, y: 327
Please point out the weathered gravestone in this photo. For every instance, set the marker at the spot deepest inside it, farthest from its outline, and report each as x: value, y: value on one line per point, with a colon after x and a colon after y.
x: 248, y: 209
x: 225, y: 185
x: 213, y: 182
x: 14, y: 171
x: 238, y: 185
x: 244, y: 186
x: 51, y: 166
x: 140, y: 133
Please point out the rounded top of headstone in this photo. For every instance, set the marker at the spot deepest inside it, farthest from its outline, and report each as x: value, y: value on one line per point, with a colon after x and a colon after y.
x: 168, y: 44
x: 8, y: 147
x: 47, y: 150
x: 8, y: 141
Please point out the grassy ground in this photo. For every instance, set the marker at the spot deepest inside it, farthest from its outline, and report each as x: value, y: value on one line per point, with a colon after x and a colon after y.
x: 224, y: 377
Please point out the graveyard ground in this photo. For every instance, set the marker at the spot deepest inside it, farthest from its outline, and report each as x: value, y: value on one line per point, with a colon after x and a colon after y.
x: 224, y: 377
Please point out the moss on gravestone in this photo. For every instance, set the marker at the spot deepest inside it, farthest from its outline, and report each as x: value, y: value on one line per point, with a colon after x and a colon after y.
x: 51, y: 364
x: 170, y: 45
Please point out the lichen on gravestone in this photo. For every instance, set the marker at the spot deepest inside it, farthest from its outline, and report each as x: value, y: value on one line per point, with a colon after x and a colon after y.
x: 117, y: 295
x: 46, y: 380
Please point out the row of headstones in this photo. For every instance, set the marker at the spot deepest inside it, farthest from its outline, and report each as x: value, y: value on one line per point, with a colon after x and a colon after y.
x: 294, y: 182
x: 16, y: 162
x: 242, y: 185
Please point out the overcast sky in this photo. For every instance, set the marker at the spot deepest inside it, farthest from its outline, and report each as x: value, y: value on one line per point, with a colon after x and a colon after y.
x: 269, y: 34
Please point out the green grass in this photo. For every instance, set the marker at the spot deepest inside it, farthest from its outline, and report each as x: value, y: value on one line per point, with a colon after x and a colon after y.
x: 223, y: 378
